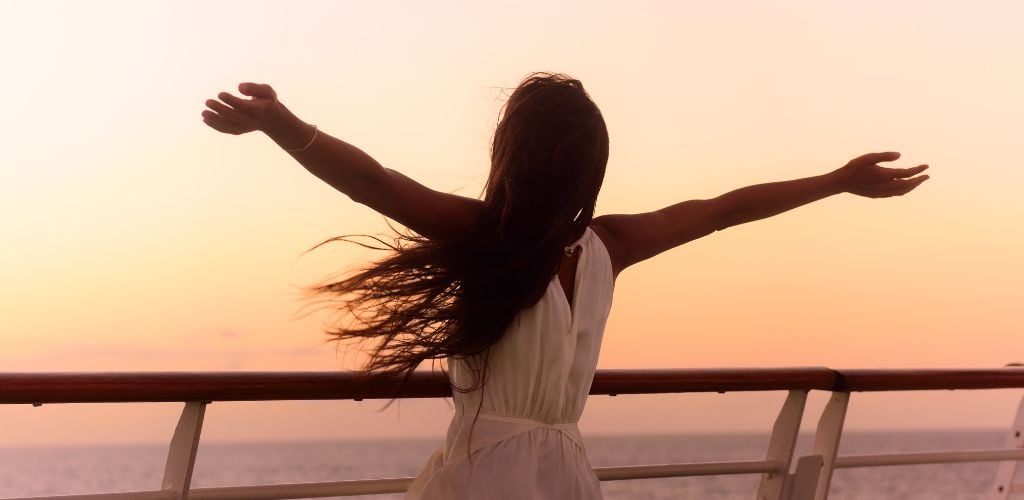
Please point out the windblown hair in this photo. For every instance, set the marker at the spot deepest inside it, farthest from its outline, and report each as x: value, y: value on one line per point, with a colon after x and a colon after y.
x: 454, y: 297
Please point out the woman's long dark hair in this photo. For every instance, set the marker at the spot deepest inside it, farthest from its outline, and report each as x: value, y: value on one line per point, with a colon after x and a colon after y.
x: 454, y: 297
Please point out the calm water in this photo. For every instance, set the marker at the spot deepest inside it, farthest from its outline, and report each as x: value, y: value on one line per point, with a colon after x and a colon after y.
x: 67, y: 470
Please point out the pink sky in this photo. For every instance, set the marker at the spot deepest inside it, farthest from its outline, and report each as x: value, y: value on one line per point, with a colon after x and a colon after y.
x: 135, y: 238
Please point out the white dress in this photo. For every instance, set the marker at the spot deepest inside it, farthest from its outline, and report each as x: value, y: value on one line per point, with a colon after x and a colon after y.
x: 525, y: 443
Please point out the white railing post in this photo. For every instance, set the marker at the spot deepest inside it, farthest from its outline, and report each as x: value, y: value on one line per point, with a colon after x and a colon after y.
x: 801, y: 485
x: 826, y: 440
x: 781, y: 445
x: 1007, y: 473
x: 181, y: 455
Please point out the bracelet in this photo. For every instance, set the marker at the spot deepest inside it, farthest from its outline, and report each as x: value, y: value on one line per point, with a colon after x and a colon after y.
x: 316, y: 132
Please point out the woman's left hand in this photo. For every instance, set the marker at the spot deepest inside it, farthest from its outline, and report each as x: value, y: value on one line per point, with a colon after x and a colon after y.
x: 234, y: 115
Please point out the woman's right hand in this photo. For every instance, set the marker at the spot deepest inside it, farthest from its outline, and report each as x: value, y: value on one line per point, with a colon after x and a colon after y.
x: 234, y: 115
x: 863, y: 176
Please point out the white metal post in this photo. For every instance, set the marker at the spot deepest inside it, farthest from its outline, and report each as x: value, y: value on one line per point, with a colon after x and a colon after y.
x: 181, y: 455
x: 1007, y: 473
x: 782, y: 443
x: 801, y: 485
x: 826, y: 439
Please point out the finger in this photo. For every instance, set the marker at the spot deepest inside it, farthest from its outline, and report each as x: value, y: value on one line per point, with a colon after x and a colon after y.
x: 228, y: 113
x: 872, y: 157
x: 233, y: 101
x: 231, y: 115
x: 257, y: 90
x: 904, y: 186
x: 219, y: 124
x: 219, y: 127
x: 902, y: 173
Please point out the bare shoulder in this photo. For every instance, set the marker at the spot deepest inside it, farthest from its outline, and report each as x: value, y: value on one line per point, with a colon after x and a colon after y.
x: 601, y: 227
x: 633, y: 238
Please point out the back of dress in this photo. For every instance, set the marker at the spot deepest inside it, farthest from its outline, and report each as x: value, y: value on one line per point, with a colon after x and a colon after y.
x: 525, y: 442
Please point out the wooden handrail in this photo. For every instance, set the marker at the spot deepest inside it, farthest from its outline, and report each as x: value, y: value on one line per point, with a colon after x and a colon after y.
x: 929, y: 379
x: 38, y: 388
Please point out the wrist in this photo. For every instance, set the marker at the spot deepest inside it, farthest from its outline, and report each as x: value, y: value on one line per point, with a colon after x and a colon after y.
x: 287, y: 130
x: 836, y: 181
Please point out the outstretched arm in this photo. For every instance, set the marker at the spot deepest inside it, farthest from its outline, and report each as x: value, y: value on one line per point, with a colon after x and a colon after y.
x: 636, y: 237
x: 345, y: 167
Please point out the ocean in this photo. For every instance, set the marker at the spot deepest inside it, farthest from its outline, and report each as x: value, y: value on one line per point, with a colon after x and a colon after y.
x: 29, y: 471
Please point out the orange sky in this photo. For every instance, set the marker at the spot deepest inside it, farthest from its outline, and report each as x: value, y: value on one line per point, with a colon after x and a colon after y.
x: 135, y: 238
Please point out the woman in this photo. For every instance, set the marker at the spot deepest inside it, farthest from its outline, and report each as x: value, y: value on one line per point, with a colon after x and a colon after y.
x: 513, y: 289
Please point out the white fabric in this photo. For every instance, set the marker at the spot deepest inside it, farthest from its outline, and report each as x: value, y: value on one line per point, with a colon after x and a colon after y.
x: 525, y: 442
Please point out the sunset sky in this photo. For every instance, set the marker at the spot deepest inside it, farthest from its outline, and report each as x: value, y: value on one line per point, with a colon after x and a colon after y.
x: 134, y: 237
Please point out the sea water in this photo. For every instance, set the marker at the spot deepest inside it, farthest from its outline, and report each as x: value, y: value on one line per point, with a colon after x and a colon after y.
x: 29, y: 471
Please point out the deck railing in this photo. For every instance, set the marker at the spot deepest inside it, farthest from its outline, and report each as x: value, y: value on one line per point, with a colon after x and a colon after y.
x: 783, y: 476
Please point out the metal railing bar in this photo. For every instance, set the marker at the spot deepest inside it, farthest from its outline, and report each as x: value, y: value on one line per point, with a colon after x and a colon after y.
x: 125, y: 387
x: 127, y: 495
x: 41, y: 388
x: 620, y: 473
x: 303, y: 490
x: 200, y: 388
x: 399, y: 485
x: 861, y: 380
x: 612, y: 382
x: 932, y: 457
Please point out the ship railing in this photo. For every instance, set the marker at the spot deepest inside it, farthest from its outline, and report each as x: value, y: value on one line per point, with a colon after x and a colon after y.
x: 782, y: 476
